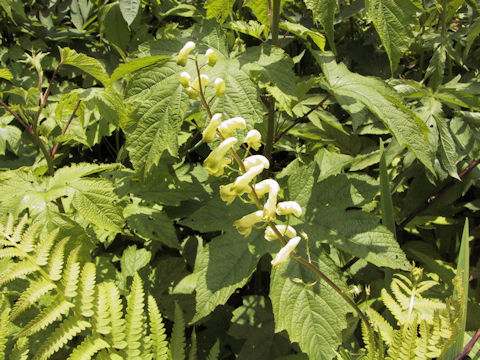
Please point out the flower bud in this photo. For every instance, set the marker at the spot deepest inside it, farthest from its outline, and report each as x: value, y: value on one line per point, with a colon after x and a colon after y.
x: 211, y: 130
x: 211, y: 56
x: 271, y: 204
x: 285, y: 230
x: 284, y: 253
x: 183, y: 53
x: 228, y: 126
x: 192, y: 93
x: 289, y: 207
x: 265, y: 186
x: 216, y: 161
x: 185, y: 79
x: 245, y: 224
x: 255, y: 160
x: 220, y: 87
x: 203, y: 81
x: 244, y: 180
x: 253, y: 139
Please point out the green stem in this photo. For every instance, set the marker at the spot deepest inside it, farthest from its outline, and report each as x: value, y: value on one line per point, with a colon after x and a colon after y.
x: 275, y: 20
x: 444, y: 18
x: 44, y: 98
x: 270, y: 129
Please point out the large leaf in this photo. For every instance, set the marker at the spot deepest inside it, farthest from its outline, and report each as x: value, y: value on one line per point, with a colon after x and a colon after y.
x: 393, y: 20
x: 85, y: 63
x: 355, y: 93
x: 136, y: 65
x: 129, y: 9
x: 334, y: 214
x: 324, y: 13
x: 314, y: 315
x: 219, y: 9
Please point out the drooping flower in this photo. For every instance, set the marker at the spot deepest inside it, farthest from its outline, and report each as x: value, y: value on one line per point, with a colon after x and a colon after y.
x: 220, y: 87
x: 244, y: 180
x: 203, y: 81
x: 182, y: 57
x: 265, y: 186
x: 285, y: 230
x: 227, y: 127
x: 253, y: 139
x: 216, y: 161
x: 255, y: 160
x: 245, y: 224
x: 185, y: 79
x: 289, y: 207
x: 210, y: 131
x: 272, y: 187
x: 228, y: 194
x: 211, y: 57
x: 284, y: 253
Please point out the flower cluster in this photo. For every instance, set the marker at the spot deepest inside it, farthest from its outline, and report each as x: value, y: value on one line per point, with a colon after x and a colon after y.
x: 248, y: 168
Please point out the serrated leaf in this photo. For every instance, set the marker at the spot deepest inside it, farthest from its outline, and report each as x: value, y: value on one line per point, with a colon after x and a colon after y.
x: 85, y: 63
x: 252, y: 27
x: 393, y: 20
x: 449, y: 154
x: 136, y: 65
x: 304, y: 33
x: 334, y: 214
x: 95, y: 200
x: 260, y: 9
x: 129, y: 9
x: 314, y: 316
x: 219, y: 9
x: 133, y: 260
x: 324, y: 13
x: 355, y: 92
x: 386, y: 204
x: 9, y: 135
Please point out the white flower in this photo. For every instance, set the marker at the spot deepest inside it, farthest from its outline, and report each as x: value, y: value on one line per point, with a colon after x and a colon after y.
x: 185, y: 79
x: 203, y: 81
x: 228, y: 126
x: 272, y: 187
x: 183, y: 53
x: 211, y: 56
x: 289, y: 207
x: 255, y: 160
x: 244, y: 180
x: 216, y: 161
x: 265, y: 186
x: 253, y: 139
x: 210, y: 131
x: 228, y: 194
x: 220, y: 87
x: 285, y: 230
x: 245, y: 224
x: 284, y: 253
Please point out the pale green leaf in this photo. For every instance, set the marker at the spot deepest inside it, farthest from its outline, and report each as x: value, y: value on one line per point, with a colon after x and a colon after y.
x: 85, y: 63
x: 252, y: 27
x: 135, y: 65
x: 386, y: 204
x: 219, y: 9
x: 133, y: 260
x: 331, y: 163
x: 304, y: 33
x: 381, y: 100
x: 129, y: 9
x: 6, y: 74
x: 9, y: 135
x: 324, y: 13
x: 393, y: 20
x: 448, y: 151
x: 260, y: 9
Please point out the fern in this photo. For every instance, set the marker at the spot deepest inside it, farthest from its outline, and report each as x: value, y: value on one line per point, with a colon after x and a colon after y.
x: 177, y: 343
x: 135, y: 319
x: 157, y: 330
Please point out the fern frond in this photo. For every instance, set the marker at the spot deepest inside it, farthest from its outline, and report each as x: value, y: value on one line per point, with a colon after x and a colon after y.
x: 11, y: 252
x: 9, y: 224
x: 46, y: 317
x: 157, y: 330
x: 102, y: 313
x: 87, y: 290
x: 409, y: 338
x: 392, y: 305
x: 177, y: 341
x: 44, y: 247
x: 29, y: 237
x: 88, y: 348
x: 4, y: 320
x: 71, y: 274
x: 16, y: 235
x: 116, y: 316
x: 17, y: 271
x: 135, y: 319
x: 214, y: 351
x: 55, y: 265
x: 31, y: 295
x: 374, y: 348
x: 421, y: 347
x: 20, y: 350
x: 62, y: 335
x: 381, y: 325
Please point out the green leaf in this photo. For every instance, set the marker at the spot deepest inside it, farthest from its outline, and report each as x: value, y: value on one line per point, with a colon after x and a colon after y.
x: 135, y: 65
x: 85, y: 63
x: 6, y: 74
x: 134, y: 259
x: 334, y: 214
x: 9, y: 135
x: 324, y: 13
x: 313, y: 315
x: 386, y: 203
x: 331, y: 163
x: 473, y: 32
x: 95, y: 200
x: 449, y: 154
x: 260, y: 10
x: 355, y: 92
x: 129, y: 9
x: 252, y: 27
x: 304, y: 33
x: 219, y: 9
x: 436, y: 67
x: 393, y: 20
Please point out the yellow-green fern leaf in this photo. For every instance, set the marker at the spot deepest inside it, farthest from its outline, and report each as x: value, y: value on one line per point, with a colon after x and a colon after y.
x: 4, y: 321
x: 29, y: 237
x: 214, y: 351
x: 30, y: 296
x: 11, y: 252
x: 157, y: 331
x: 88, y: 348
x: 55, y: 265
x: 135, y: 319
x: 20, y: 350
x: 393, y: 306
x: 116, y: 316
x: 47, y: 316
x: 407, y: 351
x: 44, y: 247
x: 177, y: 341
x: 87, y: 290
x: 16, y: 236
x: 9, y: 225
x: 71, y: 274
x: 381, y: 325
x: 102, y: 313
x: 421, y: 347
x: 62, y: 335
x: 16, y: 271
